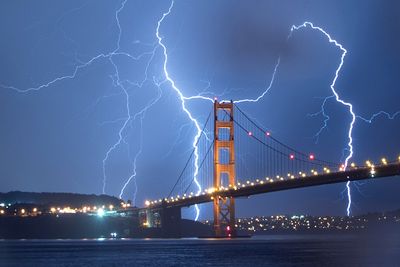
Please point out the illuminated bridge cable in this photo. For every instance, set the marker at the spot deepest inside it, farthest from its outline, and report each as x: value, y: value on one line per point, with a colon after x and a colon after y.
x: 205, y: 156
x: 201, y: 164
x: 283, y: 144
x: 190, y: 157
x: 286, y: 155
x: 274, y: 149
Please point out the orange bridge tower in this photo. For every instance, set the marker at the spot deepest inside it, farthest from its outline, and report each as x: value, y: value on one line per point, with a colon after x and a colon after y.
x: 224, y: 168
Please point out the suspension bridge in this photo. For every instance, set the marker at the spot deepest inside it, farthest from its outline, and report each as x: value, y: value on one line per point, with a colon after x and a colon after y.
x: 218, y: 165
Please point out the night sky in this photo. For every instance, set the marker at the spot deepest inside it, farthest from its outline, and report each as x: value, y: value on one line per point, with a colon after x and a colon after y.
x: 56, y: 138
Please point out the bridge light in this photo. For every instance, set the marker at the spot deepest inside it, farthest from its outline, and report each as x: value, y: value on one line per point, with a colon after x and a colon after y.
x: 353, y: 165
x: 384, y: 162
x: 291, y: 156
x: 368, y: 163
x: 147, y: 203
x: 311, y: 157
x: 342, y: 167
x: 267, y: 133
x: 250, y: 133
x: 372, y: 171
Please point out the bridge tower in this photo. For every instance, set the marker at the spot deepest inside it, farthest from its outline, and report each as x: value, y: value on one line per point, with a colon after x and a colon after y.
x: 224, y: 207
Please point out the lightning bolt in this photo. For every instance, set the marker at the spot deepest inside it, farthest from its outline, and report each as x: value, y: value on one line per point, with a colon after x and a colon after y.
x: 380, y: 113
x: 141, y: 114
x: 337, y: 98
x: 122, y: 84
x: 183, y: 99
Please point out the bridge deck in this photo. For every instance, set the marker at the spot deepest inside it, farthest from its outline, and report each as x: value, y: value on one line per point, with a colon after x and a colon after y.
x: 266, y: 187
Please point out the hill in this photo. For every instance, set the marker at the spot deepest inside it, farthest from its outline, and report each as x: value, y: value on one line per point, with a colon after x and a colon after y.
x: 58, y: 199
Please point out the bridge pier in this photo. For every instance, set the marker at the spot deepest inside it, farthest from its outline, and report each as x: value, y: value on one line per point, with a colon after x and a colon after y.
x: 166, y: 219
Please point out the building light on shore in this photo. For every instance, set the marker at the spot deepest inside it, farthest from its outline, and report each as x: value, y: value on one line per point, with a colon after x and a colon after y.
x: 1, y: 211
x: 22, y: 211
x: 34, y: 210
x: 100, y: 212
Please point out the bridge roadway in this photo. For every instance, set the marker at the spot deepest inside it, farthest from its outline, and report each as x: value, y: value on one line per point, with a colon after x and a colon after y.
x: 300, y: 182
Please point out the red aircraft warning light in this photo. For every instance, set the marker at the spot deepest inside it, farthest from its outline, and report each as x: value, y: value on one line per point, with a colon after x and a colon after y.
x: 228, y: 231
x: 291, y: 156
x: 312, y: 157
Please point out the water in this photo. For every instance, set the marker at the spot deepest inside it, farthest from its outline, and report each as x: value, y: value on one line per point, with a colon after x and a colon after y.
x: 260, y: 251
